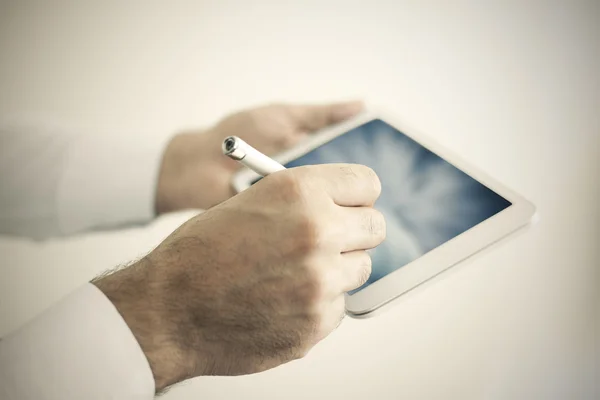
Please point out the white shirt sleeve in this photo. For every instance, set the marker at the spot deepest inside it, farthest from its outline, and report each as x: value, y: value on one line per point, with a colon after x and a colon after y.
x: 81, y: 348
x: 54, y: 183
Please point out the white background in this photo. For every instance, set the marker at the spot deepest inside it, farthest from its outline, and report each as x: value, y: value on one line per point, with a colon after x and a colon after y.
x: 513, y: 87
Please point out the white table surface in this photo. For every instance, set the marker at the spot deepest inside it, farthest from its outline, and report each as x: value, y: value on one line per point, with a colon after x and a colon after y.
x: 513, y: 87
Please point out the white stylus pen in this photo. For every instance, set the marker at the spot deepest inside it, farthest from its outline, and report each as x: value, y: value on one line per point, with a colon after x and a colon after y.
x: 236, y: 149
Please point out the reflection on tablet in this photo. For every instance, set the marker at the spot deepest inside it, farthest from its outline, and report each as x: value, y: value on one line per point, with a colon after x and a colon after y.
x: 426, y: 201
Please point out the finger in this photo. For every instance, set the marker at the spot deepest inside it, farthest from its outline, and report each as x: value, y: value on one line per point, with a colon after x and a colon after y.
x: 314, y: 117
x: 363, y: 228
x: 347, y: 184
x: 355, y: 269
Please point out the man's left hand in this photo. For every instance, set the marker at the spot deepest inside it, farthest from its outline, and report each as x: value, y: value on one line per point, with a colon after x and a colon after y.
x: 195, y: 174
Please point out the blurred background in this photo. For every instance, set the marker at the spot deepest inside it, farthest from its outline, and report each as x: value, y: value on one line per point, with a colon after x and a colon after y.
x: 513, y: 87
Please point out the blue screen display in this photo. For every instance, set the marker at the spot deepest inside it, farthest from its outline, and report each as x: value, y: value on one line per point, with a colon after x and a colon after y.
x: 426, y: 201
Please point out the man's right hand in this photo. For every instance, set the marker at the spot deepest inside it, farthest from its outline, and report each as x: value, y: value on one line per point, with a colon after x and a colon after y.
x: 256, y: 281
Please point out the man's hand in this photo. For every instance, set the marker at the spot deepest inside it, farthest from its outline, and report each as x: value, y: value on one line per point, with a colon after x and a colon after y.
x: 195, y: 174
x: 256, y: 281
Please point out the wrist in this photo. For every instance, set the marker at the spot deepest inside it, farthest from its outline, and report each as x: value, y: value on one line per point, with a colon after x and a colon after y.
x: 137, y: 299
x: 194, y: 173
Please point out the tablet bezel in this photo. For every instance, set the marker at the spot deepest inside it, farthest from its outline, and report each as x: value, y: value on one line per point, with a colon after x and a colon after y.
x: 443, y: 257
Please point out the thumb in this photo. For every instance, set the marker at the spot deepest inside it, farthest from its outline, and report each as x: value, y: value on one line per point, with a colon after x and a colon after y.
x: 314, y: 117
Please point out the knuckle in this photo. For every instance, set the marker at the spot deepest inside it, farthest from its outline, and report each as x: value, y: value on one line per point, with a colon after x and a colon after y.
x: 289, y: 186
x: 363, y: 175
x: 371, y: 175
x: 375, y: 224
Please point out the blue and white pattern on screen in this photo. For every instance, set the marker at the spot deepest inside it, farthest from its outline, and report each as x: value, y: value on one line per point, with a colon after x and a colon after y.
x: 426, y: 201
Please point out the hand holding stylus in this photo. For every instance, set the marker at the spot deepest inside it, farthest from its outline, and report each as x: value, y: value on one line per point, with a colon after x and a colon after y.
x: 256, y: 281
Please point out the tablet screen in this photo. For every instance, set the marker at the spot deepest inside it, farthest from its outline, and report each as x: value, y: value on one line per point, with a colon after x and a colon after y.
x: 426, y: 201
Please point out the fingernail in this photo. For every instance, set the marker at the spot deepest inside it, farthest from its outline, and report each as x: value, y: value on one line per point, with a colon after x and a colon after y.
x: 347, y: 110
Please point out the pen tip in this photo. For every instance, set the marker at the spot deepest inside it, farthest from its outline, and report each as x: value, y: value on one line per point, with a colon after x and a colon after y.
x: 229, y: 144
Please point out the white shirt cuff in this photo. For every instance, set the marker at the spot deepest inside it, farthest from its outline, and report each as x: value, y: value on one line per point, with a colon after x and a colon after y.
x: 109, y: 182
x: 81, y: 348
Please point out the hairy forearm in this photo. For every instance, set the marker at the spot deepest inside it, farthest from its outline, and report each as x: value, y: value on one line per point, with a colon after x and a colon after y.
x: 135, y: 294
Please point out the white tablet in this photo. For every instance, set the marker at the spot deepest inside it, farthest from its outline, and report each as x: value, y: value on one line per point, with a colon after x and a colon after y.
x: 439, y: 210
